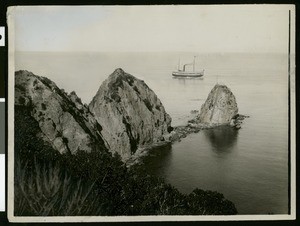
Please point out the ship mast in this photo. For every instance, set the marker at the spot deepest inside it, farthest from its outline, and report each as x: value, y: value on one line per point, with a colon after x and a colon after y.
x: 194, y: 64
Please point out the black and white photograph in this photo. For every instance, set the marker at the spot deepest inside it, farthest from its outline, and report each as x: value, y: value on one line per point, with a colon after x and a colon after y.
x: 151, y: 113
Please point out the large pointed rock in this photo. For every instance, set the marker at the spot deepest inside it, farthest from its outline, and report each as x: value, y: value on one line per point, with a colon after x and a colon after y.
x: 130, y: 113
x: 65, y: 123
x: 219, y: 108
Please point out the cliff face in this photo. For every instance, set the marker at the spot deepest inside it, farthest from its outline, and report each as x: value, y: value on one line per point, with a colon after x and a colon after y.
x: 49, y: 121
x: 65, y: 123
x: 130, y: 113
x: 219, y: 108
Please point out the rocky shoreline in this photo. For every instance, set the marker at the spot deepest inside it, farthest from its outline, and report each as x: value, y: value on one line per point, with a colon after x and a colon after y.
x: 180, y: 132
x: 219, y: 109
x: 92, y: 146
x: 124, y: 117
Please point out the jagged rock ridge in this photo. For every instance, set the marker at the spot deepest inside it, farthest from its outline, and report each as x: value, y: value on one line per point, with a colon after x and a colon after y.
x: 130, y: 113
x: 65, y: 123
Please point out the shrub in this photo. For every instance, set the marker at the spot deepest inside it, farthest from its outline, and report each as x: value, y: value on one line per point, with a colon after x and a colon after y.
x: 96, y: 183
x: 46, y: 190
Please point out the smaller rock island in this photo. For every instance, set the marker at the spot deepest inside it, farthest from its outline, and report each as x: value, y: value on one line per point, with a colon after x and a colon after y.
x: 219, y: 108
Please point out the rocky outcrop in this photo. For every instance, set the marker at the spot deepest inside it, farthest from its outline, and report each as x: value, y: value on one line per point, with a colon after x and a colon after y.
x: 219, y: 108
x: 130, y: 113
x: 65, y: 123
x: 124, y: 117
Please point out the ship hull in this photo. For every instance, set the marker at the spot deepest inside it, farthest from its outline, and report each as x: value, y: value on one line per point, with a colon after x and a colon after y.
x: 187, y: 74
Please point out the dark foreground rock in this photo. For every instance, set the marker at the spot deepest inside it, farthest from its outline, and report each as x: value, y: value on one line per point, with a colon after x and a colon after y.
x: 63, y: 168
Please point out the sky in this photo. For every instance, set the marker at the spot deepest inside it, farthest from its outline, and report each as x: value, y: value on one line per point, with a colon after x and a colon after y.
x: 210, y: 28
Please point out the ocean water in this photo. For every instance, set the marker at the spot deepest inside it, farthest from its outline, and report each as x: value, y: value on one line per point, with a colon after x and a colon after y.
x: 249, y: 166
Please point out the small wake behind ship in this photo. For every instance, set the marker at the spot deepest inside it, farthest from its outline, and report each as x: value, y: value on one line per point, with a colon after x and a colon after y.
x: 188, y: 74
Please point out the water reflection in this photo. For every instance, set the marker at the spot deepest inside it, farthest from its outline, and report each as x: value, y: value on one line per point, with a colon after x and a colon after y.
x: 188, y: 78
x: 223, y: 138
x: 158, y: 159
x: 183, y: 80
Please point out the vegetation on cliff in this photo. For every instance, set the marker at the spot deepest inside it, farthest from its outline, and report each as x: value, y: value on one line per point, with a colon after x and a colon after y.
x: 63, y: 166
x: 131, y: 114
x: 95, y: 183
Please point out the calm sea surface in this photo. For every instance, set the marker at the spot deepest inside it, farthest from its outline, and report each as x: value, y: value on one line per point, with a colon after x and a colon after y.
x: 249, y: 166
